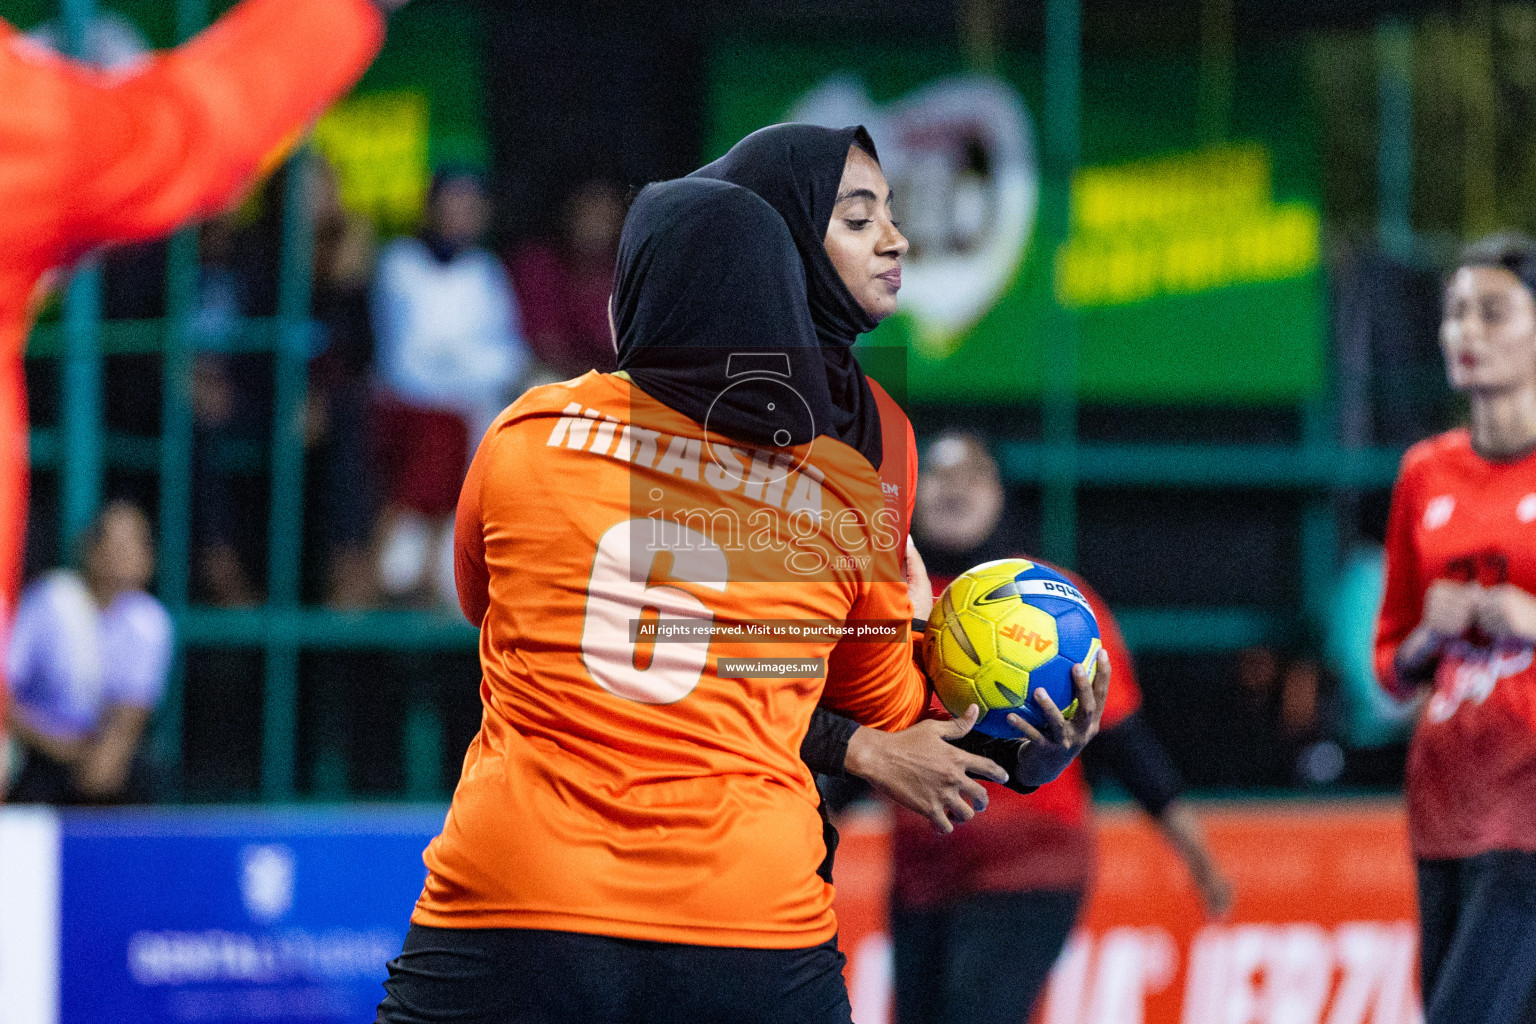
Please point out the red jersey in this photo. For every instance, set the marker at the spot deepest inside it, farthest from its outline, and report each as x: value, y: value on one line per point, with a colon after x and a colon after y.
x: 643, y: 789
x: 1019, y: 843
x: 88, y: 158
x: 1472, y: 760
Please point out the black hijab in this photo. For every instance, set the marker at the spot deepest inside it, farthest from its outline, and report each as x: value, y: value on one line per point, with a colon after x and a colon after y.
x: 796, y: 168
x: 709, y: 309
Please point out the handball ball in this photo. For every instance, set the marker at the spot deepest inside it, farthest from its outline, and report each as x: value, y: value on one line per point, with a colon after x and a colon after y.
x: 1002, y: 630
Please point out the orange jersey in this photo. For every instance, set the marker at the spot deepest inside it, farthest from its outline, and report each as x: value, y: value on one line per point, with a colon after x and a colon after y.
x: 88, y: 158
x: 898, y: 462
x: 642, y: 789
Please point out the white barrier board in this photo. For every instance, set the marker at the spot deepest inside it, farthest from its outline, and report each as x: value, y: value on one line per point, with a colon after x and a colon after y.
x: 29, y: 916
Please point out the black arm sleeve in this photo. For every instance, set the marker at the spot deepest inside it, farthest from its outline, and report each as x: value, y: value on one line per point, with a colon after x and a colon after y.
x: 1132, y: 754
x: 825, y: 746
x: 1004, y: 753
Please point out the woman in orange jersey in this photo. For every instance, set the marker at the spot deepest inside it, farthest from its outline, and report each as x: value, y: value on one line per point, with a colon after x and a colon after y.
x: 88, y: 158
x: 660, y: 561
x: 1458, y: 626
x: 828, y: 186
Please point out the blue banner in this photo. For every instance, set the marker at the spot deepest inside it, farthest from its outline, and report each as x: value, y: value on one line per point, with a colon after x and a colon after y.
x: 216, y: 915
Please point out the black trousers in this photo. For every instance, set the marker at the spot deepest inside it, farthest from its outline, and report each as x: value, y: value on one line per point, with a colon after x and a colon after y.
x: 981, y: 961
x: 526, y: 976
x: 46, y: 781
x: 1477, y: 949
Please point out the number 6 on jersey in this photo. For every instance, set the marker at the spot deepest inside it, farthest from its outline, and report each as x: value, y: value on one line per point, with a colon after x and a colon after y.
x: 617, y: 598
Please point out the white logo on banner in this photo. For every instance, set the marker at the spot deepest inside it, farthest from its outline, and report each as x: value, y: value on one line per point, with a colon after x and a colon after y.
x: 871, y: 988
x: 266, y: 881
x: 1359, y: 972
x: 29, y: 916
x: 1131, y: 964
x: 960, y: 156
x: 1275, y: 974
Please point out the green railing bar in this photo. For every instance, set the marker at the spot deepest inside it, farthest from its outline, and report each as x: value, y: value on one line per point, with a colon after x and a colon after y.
x: 1063, y: 86
x: 145, y: 454
x: 51, y: 447
x: 176, y: 422
x: 175, y: 467
x: 81, y: 378
x: 285, y: 525
x: 1197, y: 630
x: 424, y: 743
x: 183, y: 272
x: 148, y: 337
x: 324, y: 628
x: 1214, y: 466
x: 81, y: 426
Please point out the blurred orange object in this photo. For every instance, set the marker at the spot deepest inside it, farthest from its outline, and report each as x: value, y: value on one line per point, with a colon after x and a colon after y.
x: 88, y: 158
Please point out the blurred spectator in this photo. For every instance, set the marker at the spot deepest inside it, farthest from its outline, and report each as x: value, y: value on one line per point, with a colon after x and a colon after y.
x: 344, y: 505
x: 564, y: 287
x: 449, y: 353
x: 1285, y: 720
x: 88, y: 662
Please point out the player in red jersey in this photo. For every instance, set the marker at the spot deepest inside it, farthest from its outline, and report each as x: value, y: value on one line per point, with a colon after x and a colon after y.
x: 89, y: 158
x: 1008, y: 886
x: 1458, y: 625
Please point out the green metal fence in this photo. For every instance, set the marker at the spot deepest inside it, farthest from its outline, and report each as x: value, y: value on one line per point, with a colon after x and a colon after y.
x: 1060, y: 463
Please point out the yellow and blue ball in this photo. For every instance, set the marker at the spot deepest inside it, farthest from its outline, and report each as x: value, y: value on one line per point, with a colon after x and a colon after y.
x: 1002, y: 630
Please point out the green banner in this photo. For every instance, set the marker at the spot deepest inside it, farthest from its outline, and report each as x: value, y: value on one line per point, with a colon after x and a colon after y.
x: 1191, y: 268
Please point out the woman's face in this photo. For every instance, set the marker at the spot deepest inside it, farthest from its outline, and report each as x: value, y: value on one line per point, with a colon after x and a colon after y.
x: 959, y: 495
x: 862, y: 239
x: 460, y: 212
x: 123, y: 556
x: 1488, y: 335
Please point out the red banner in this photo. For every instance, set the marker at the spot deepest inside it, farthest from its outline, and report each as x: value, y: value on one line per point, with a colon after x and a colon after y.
x: 1323, y: 930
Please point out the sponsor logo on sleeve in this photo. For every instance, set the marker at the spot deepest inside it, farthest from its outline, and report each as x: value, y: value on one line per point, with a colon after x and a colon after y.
x: 1438, y: 512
